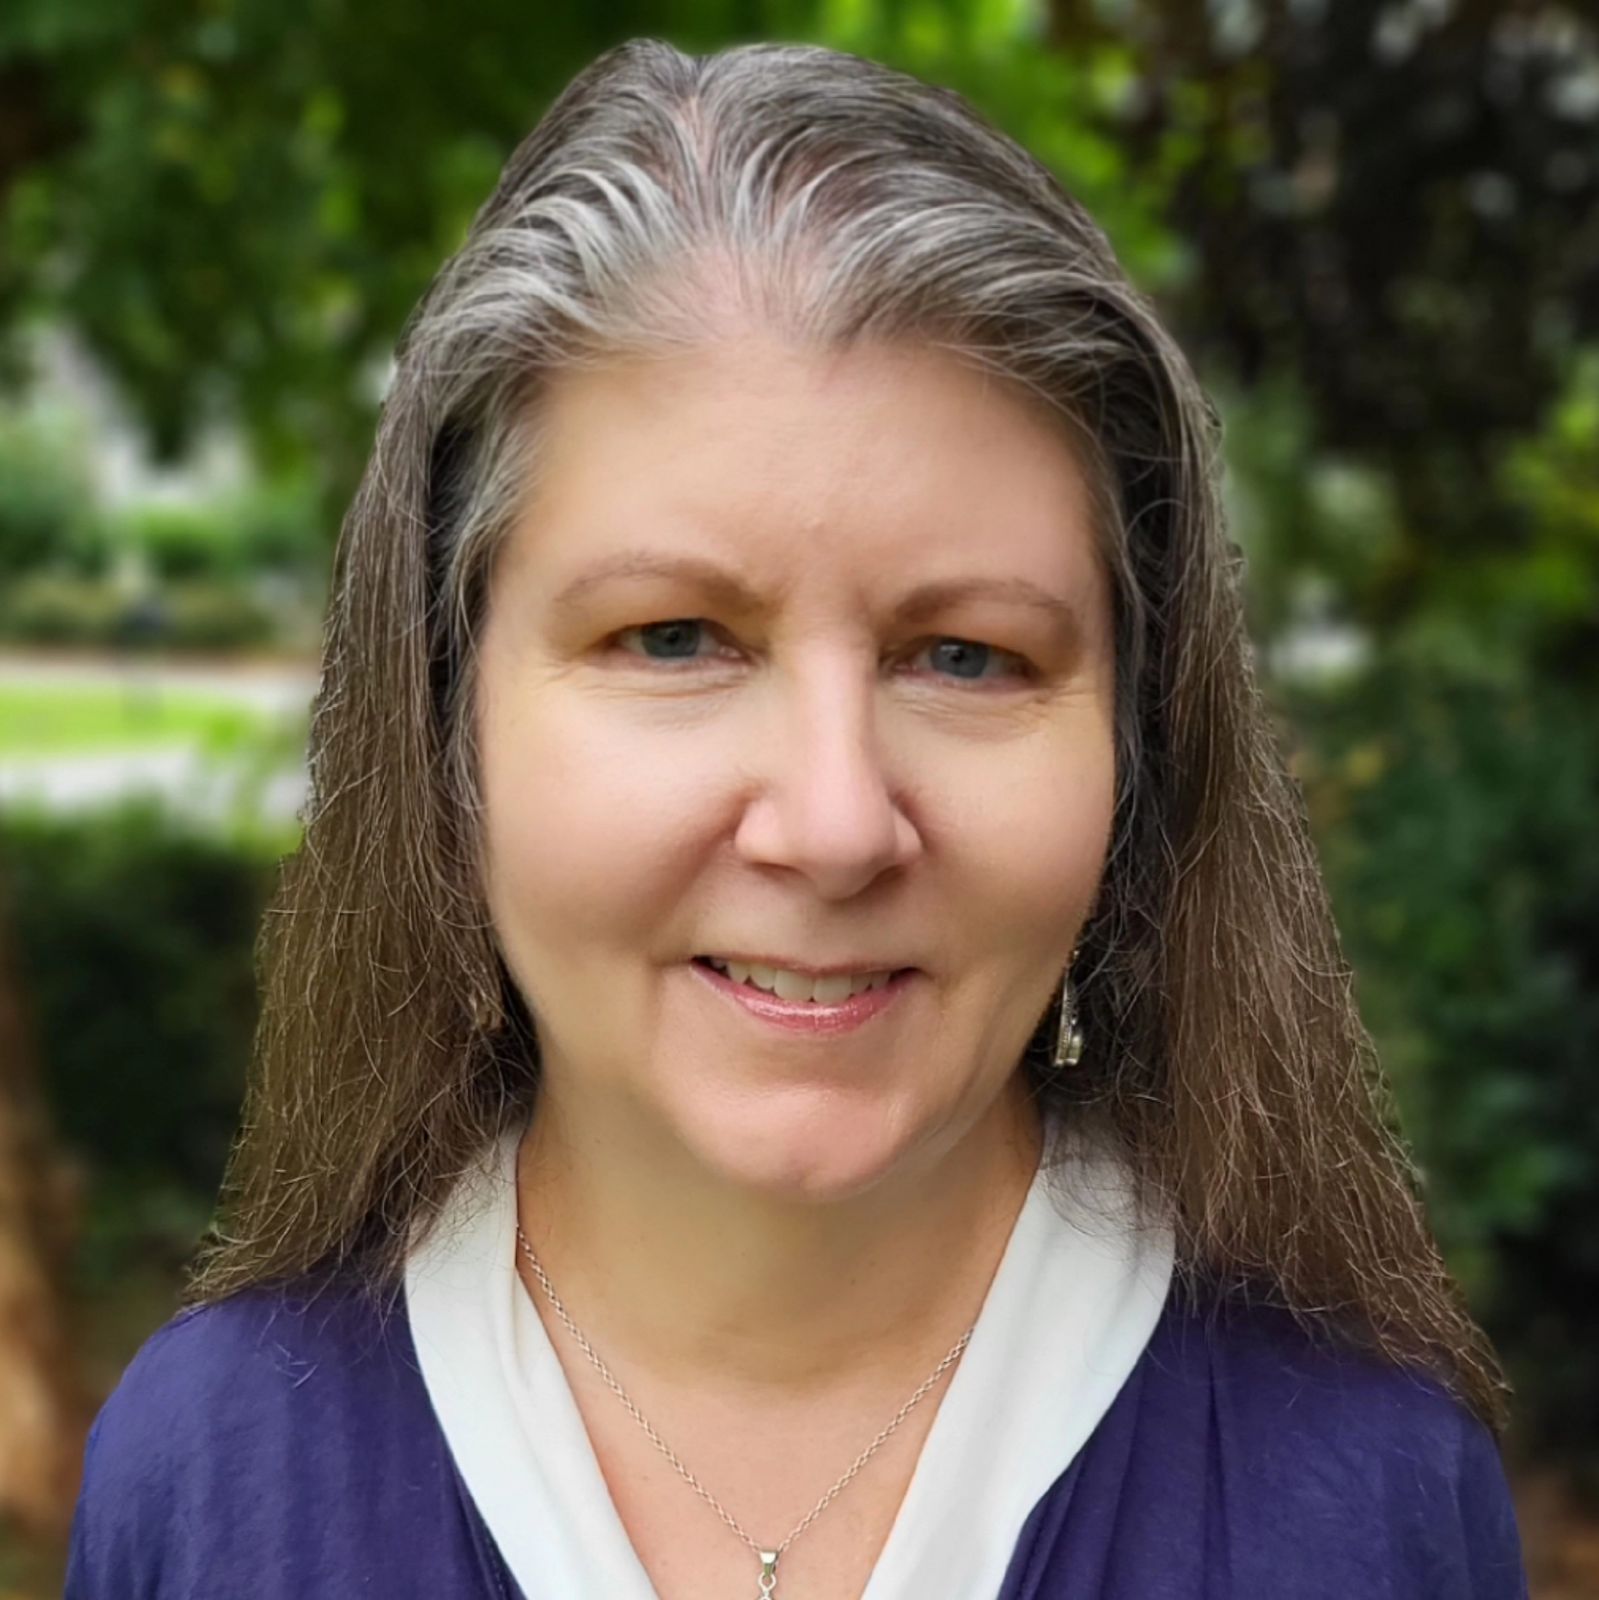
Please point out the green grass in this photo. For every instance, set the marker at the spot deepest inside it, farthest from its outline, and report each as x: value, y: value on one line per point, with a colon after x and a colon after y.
x: 49, y: 720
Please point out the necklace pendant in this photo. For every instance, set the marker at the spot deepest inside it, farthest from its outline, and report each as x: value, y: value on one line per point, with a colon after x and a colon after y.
x: 768, y: 1573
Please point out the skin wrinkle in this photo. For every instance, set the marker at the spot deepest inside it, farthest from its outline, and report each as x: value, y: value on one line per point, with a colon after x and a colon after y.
x: 668, y: 200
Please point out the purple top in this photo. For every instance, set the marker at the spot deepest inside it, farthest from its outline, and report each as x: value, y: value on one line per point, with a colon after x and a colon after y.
x: 283, y: 1446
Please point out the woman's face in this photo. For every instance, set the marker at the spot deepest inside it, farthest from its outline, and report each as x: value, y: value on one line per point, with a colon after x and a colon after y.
x: 806, y: 657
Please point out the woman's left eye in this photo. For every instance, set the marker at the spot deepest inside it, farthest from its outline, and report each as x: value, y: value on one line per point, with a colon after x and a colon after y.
x: 968, y: 652
x: 967, y: 658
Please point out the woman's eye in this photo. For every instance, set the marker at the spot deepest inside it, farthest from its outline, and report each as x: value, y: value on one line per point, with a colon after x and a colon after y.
x: 677, y: 637
x: 966, y: 658
x: 958, y: 660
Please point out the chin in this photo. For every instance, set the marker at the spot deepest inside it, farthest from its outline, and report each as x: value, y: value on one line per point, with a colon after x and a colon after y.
x: 805, y: 1145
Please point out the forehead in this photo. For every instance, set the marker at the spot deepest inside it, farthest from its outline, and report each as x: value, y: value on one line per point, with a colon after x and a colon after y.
x: 774, y: 455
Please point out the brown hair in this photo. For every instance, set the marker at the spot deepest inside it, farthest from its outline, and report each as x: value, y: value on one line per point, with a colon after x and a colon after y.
x: 835, y: 199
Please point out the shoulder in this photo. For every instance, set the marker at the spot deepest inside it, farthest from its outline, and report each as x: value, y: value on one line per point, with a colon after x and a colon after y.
x: 1267, y: 1366
x: 1289, y: 1378
x: 249, y: 1362
x: 1337, y: 1447
x: 227, y: 1414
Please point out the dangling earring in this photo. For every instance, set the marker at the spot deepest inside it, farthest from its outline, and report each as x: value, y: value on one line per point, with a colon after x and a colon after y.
x: 1069, y: 1036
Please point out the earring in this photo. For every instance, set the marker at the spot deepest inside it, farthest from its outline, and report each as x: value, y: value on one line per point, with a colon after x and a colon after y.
x: 1069, y: 1036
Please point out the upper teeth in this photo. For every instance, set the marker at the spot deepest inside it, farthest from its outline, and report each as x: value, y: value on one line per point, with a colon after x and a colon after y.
x: 787, y: 985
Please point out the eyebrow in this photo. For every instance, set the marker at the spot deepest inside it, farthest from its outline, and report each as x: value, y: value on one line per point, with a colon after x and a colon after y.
x: 923, y: 601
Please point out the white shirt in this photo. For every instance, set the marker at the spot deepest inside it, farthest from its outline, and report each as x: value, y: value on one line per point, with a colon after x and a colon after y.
x: 1071, y: 1307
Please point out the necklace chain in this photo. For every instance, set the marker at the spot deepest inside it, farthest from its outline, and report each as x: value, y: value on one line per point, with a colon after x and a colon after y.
x: 768, y: 1556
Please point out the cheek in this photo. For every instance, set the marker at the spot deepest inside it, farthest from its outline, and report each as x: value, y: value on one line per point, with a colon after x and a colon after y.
x: 1031, y: 854
x: 579, y: 821
x: 1034, y: 820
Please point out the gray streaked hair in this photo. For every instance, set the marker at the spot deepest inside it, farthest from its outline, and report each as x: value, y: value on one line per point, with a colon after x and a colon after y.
x: 818, y: 196
x: 663, y: 201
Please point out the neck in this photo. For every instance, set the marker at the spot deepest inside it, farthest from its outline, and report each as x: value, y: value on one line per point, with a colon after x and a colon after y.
x: 697, y: 1281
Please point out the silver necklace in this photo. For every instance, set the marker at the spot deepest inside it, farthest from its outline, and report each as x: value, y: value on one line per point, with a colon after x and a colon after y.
x: 768, y: 1557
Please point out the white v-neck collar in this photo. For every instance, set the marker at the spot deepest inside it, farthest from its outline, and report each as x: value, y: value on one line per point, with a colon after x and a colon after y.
x: 1070, y: 1309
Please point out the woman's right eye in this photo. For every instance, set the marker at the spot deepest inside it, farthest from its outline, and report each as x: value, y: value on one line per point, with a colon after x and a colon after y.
x: 680, y: 634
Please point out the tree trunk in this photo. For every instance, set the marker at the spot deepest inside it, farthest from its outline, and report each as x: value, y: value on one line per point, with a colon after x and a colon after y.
x: 44, y: 1412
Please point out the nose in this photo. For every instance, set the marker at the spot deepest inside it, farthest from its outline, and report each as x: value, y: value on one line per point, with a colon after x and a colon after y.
x: 825, y: 805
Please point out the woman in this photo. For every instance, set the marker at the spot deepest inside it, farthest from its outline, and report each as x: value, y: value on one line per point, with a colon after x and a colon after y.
x: 805, y: 1051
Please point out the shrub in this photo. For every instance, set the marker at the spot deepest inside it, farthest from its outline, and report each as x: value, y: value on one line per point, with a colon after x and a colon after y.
x: 135, y: 936
x: 279, y: 530
x: 182, y: 542
x: 214, y: 616
x: 201, y: 614
x: 268, y: 527
x: 1457, y: 824
x: 60, y: 609
x: 47, y: 518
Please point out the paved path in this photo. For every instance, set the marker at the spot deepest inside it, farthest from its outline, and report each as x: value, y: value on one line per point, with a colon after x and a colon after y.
x: 192, y: 782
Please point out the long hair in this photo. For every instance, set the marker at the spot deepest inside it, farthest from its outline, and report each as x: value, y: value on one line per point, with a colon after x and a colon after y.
x: 834, y: 200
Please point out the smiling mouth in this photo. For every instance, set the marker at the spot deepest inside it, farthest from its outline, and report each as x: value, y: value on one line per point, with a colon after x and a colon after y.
x: 814, y: 1008
x: 798, y: 987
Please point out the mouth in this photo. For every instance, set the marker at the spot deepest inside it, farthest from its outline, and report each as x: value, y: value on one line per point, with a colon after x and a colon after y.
x: 819, y: 1007
x: 800, y: 986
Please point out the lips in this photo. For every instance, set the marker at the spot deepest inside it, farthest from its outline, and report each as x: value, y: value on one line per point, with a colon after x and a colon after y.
x: 818, y: 1019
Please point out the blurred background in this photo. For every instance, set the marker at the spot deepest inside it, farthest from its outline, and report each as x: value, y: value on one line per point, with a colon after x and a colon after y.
x: 1375, y: 228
